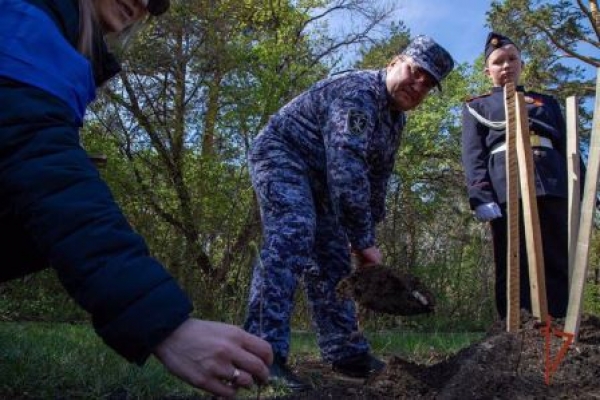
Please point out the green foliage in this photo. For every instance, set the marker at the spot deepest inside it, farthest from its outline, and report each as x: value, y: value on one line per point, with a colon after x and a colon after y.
x: 38, y: 297
x: 198, y: 86
x: 591, y: 298
x: 182, y: 129
x: 546, y: 31
x: 380, y: 53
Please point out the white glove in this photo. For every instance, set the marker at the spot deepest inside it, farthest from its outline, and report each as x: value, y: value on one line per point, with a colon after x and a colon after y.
x: 487, y: 212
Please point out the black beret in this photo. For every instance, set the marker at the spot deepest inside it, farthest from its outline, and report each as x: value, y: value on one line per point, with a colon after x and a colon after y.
x: 158, y: 7
x: 495, y: 41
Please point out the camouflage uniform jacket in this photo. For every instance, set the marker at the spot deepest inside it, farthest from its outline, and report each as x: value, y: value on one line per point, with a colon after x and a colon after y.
x: 346, y: 135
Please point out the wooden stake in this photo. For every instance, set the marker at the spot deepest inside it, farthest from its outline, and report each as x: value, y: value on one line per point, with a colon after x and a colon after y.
x: 513, y: 311
x: 531, y: 219
x: 588, y: 206
x: 595, y: 13
x: 573, y: 177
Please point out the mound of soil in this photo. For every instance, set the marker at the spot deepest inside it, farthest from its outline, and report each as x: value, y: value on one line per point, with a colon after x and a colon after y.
x: 501, y: 366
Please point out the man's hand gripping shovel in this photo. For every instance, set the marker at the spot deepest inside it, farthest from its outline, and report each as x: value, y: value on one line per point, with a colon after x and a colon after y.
x: 383, y: 289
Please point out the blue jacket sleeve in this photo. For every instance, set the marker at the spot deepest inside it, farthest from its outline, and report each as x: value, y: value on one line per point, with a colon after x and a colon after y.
x: 62, y: 207
x: 74, y: 222
x: 351, y: 123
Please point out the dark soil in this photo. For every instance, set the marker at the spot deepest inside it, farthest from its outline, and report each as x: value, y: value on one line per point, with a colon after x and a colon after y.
x: 501, y: 366
x: 384, y: 290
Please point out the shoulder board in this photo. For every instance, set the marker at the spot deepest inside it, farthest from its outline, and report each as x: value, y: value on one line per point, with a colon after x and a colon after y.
x: 536, y: 99
x: 477, y: 97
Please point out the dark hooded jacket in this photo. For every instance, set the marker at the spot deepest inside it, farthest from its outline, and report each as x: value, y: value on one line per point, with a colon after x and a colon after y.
x: 55, y: 210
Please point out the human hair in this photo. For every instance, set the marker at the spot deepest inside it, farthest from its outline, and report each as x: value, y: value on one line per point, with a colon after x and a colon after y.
x: 87, y: 18
x: 88, y: 28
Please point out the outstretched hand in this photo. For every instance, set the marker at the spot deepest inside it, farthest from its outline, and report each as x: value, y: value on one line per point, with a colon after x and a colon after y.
x: 207, y: 355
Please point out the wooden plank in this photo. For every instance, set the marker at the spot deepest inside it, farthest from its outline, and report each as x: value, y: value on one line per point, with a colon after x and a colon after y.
x: 513, y: 310
x: 595, y: 13
x: 588, y: 206
x: 573, y: 176
x: 531, y: 219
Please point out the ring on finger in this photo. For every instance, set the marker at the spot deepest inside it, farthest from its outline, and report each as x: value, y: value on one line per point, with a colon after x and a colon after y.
x: 234, y: 376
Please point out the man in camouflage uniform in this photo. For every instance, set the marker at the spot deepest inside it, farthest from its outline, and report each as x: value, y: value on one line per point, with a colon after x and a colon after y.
x: 320, y: 170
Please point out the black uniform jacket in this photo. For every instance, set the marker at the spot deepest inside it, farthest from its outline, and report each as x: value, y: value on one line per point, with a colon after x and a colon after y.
x: 482, y: 132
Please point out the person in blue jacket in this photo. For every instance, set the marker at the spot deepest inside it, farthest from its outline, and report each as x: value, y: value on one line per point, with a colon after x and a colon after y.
x: 55, y: 210
x: 483, y: 157
x: 320, y: 169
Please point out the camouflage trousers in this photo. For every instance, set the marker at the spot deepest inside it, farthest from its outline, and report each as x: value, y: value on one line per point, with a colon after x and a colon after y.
x: 302, y: 241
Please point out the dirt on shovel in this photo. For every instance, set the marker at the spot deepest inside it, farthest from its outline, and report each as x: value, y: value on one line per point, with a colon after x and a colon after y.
x: 384, y: 290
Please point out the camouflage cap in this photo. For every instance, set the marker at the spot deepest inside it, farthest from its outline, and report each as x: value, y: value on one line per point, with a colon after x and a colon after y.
x: 495, y: 41
x: 157, y: 7
x: 430, y: 56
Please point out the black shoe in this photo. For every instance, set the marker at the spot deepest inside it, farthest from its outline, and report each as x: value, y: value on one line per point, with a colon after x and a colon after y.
x: 359, y: 366
x: 281, y: 375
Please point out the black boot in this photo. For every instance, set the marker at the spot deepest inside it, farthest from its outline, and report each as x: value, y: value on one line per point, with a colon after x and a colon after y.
x: 358, y: 366
x: 281, y: 375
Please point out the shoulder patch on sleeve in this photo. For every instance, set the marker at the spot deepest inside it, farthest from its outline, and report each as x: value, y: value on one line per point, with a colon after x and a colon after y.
x: 357, y: 122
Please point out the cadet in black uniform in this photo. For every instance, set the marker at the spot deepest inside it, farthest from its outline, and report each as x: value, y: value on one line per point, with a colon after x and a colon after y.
x: 483, y: 157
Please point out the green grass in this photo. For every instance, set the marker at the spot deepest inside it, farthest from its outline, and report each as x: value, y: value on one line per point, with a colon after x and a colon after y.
x: 417, y: 346
x: 51, y: 360
x: 41, y: 360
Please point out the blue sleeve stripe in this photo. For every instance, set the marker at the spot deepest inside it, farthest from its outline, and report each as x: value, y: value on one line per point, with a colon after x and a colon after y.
x: 34, y: 52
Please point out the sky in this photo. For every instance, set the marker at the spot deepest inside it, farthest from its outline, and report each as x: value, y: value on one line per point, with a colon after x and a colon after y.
x: 457, y: 25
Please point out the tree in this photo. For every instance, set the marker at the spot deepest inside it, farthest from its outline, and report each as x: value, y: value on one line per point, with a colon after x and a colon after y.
x: 557, y: 37
x: 381, y: 51
x: 198, y: 85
